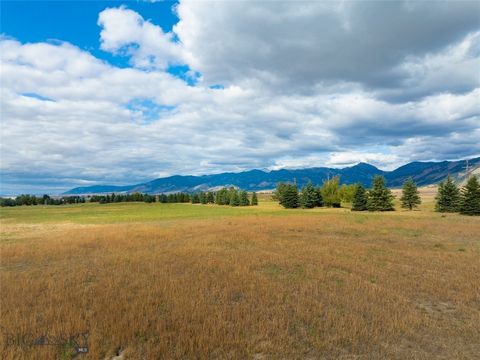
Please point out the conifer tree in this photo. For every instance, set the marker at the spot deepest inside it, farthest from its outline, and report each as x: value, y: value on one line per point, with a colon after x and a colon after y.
x: 279, y: 192
x: 244, y: 198
x: 448, y: 196
x: 319, y: 196
x: 309, y: 196
x: 254, y: 199
x: 410, y: 197
x: 234, y: 198
x: 290, y: 197
x: 210, y: 198
x: 195, y: 199
x: 380, y: 198
x: 470, y: 197
x: 360, y: 199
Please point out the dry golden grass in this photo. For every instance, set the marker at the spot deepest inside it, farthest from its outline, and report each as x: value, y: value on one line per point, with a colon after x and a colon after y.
x: 330, y: 285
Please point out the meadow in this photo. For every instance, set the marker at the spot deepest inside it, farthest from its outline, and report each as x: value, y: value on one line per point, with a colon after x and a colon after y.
x: 183, y: 281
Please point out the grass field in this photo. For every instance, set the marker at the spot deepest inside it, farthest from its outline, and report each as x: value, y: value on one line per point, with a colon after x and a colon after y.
x: 182, y: 281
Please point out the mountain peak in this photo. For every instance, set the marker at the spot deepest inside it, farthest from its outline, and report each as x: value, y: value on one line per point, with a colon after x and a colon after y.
x: 424, y: 173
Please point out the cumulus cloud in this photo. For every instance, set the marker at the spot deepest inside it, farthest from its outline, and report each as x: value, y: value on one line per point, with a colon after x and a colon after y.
x: 293, y: 46
x: 305, y: 84
x: 125, y: 32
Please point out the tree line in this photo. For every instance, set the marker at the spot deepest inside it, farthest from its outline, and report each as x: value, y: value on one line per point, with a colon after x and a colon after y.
x: 329, y: 194
x: 465, y: 200
x: 26, y: 199
x: 450, y: 198
x: 140, y: 197
x: 225, y: 196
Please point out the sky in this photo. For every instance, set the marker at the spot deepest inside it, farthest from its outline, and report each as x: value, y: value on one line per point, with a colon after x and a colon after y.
x: 122, y: 92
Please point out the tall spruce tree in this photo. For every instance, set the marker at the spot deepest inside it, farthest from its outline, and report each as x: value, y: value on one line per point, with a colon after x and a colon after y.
x: 380, y: 198
x: 448, y: 196
x: 254, y: 200
x: 360, y: 199
x: 410, y: 197
x: 290, y: 197
x: 244, y: 198
x: 470, y: 197
x: 309, y: 196
x: 195, y: 199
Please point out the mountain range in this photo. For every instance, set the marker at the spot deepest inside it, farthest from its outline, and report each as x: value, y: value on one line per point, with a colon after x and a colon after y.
x: 424, y: 173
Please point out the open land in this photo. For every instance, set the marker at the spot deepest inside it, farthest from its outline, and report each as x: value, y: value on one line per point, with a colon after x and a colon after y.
x: 183, y: 281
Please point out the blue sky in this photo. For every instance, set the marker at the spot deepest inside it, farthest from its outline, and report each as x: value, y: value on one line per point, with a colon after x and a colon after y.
x: 121, y: 92
x: 75, y: 21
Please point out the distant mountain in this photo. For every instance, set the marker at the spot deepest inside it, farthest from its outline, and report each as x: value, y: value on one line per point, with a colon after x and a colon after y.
x: 424, y: 173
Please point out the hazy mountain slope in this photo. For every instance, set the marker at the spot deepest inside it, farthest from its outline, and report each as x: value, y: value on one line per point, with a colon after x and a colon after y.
x: 424, y: 173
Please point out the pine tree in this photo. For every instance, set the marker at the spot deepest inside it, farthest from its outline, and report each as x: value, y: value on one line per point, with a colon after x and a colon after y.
x: 380, y: 197
x: 234, y: 199
x: 279, y: 192
x: 195, y: 199
x: 222, y: 197
x: 319, y: 196
x: 290, y: 197
x: 448, y: 196
x: 244, y: 198
x: 470, y: 198
x: 360, y: 199
x: 210, y: 198
x: 309, y: 196
x: 254, y: 199
x: 410, y: 197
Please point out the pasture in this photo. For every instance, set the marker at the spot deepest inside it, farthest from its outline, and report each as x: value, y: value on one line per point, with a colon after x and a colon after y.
x: 182, y: 281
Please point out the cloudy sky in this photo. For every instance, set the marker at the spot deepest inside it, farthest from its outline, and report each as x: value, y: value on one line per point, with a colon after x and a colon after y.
x: 122, y: 92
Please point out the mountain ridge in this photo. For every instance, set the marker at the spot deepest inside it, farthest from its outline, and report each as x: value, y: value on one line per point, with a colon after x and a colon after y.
x: 424, y: 173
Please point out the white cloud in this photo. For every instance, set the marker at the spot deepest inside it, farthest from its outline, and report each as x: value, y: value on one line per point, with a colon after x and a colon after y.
x: 126, y: 32
x: 292, y: 97
x: 294, y: 46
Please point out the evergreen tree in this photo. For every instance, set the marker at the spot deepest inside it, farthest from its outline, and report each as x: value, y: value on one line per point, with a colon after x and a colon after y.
x: 360, y: 198
x: 279, y: 192
x: 195, y: 199
x: 234, y: 199
x: 254, y: 199
x: 470, y: 197
x: 244, y: 198
x: 410, y: 196
x: 309, y: 196
x: 290, y: 197
x: 203, y: 198
x: 330, y: 192
x: 319, y: 196
x: 380, y: 197
x: 448, y: 196
x: 210, y: 197
x: 222, y: 197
